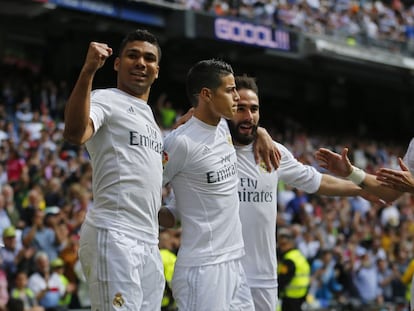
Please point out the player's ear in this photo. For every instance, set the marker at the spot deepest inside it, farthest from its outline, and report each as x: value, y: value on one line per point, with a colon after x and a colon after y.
x: 206, y: 94
x: 116, y: 63
x: 157, y: 73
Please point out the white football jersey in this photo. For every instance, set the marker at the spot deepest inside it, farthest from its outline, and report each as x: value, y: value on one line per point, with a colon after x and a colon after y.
x: 258, y: 209
x: 126, y: 154
x: 202, y: 169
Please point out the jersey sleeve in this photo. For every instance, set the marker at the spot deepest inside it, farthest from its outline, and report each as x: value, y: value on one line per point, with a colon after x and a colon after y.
x: 175, y: 155
x: 297, y: 174
x: 100, y: 109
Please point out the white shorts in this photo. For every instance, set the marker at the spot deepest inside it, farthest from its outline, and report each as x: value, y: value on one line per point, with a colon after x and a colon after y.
x: 265, y: 299
x: 218, y: 287
x: 122, y: 273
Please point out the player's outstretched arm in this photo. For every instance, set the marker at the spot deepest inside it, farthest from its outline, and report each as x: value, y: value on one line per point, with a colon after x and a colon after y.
x: 402, y: 181
x: 340, y: 165
x: 337, y: 164
x: 78, y: 126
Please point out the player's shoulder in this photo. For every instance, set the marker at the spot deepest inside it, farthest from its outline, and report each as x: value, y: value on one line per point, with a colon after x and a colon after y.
x: 282, y: 148
x: 177, y: 137
x: 104, y: 96
x: 101, y: 93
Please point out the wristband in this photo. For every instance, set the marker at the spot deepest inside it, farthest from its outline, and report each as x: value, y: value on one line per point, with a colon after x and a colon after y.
x: 357, y: 175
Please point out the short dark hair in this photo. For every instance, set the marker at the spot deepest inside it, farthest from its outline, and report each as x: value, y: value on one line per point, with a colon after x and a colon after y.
x: 140, y: 35
x: 246, y: 82
x: 206, y: 73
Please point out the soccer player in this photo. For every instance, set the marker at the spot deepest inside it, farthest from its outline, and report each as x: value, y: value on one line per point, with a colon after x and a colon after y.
x: 202, y: 170
x: 257, y: 191
x: 119, y: 238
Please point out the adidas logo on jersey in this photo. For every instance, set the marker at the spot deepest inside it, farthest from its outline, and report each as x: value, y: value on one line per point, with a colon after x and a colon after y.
x: 131, y: 110
x: 205, y: 150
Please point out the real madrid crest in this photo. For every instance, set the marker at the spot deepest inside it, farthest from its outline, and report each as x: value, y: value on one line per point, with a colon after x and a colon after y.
x: 118, y: 300
x: 263, y: 166
x: 229, y: 140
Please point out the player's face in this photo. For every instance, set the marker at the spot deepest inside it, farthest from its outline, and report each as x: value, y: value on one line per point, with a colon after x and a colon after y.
x: 243, y: 125
x: 137, y: 68
x: 225, y: 98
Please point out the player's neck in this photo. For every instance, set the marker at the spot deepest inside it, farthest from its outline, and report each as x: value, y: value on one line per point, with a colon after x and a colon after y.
x: 206, y: 117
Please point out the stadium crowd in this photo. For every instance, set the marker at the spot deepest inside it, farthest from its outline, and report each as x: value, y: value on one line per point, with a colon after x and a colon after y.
x: 386, y: 24
x: 360, y: 253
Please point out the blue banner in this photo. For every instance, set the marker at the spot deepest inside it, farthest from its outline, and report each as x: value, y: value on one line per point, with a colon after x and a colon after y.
x: 113, y: 10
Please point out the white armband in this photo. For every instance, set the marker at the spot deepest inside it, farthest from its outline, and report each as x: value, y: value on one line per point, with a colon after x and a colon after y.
x: 357, y: 175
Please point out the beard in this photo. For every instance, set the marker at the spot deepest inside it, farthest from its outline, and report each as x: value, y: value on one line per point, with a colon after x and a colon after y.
x: 242, y: 138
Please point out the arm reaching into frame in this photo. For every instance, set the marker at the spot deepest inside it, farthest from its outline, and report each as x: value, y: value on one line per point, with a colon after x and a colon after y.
x: 340, y: 165
x: 402, y: 181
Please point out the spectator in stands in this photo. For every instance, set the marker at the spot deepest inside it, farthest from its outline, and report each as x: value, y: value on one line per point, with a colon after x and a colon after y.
x: 24, y: 111
x: 309, y: 244
x: 294, y: 274
x: 324, y: 283
x: 58, y: 266
x: 54, y: 195
x: 12, y: 253
x: 41, y: 237
x: 376, y: 249
x: 365, y: 277
x: 4, y: 217
x: 15, y: 166
x: 400, y: 266
x: 295, y: 208
x: 69, y: 255
x: 34, y: 127
x: 327, y: 232
x: 46, y: 285
x: 33, y: 201
x: 21, y: 291
x: 166, y: 111
x: 11, y: 209
x: 3, y: 173
x: 386, y: 276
